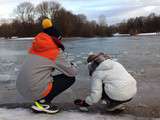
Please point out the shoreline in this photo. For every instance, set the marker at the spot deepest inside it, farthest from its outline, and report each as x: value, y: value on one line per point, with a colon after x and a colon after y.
x: 79, y: 37
x: 140, y: 34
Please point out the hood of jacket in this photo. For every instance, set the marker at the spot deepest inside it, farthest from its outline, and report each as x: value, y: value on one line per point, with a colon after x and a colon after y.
x: 44, y: 46
x: 105, y: 65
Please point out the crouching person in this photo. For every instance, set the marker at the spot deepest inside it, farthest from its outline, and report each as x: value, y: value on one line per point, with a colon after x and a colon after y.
x: 110, y: 83
x: 35, y: 81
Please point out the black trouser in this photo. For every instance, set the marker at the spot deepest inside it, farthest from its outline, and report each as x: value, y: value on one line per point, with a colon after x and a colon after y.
x: 60, y: 84
x: 111, y: 101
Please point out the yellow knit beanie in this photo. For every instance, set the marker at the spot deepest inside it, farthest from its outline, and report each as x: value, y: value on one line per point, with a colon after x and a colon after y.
x: 47, y: 23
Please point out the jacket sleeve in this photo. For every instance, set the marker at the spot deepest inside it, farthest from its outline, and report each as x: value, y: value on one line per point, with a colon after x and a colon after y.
x: 96, y: 88
x: 65, y: 66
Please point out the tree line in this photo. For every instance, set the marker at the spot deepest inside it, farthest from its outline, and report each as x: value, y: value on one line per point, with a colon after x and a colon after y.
x: 133, y: 26
x: 28, y: 18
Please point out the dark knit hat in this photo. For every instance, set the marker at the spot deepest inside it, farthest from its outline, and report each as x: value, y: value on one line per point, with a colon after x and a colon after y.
x: 93, y: 57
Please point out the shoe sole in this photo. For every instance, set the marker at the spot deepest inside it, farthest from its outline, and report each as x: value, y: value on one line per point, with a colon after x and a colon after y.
x: 42, y: 112
x: 37, y: 110
x: 83, y: 109
x: 119, y: 108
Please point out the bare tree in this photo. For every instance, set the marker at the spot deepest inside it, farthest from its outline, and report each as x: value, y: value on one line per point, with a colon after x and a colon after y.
x: 25, y: 12
x: 47, y: 9
x: 82, y: 17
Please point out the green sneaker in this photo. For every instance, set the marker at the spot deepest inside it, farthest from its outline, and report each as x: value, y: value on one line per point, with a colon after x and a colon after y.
x: 44, y: 108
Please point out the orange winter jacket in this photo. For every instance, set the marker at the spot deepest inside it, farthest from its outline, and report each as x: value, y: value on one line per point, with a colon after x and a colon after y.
x: 44, y: 46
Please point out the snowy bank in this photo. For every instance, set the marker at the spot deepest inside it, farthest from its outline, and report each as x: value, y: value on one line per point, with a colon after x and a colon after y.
x: 25, y: 38
x: 25, y: 114
x: 140, y: 34
x: 148, y: 34
x: 121, y: 35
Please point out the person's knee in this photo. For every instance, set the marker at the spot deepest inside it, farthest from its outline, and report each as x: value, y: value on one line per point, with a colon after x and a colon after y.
x: 73, y: 79
x: 70, y: 80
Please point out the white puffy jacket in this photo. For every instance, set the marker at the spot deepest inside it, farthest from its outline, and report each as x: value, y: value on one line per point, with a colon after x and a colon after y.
x: 119, y: 84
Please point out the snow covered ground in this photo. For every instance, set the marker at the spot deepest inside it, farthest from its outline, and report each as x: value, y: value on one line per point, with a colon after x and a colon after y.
x: 25, y: 114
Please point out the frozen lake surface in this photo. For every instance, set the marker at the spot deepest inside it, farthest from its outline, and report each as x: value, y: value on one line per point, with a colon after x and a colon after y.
x: 140, y: 55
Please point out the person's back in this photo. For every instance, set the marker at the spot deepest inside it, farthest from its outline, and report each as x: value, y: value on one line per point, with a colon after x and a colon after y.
x: 35, y: 75
x: 119, y: 84
x: 110, y: 82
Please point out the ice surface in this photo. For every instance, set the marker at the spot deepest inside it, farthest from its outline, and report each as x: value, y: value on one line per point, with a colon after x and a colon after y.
x: 26, y: 114
x: 12, y: 53
x: 140, y: 56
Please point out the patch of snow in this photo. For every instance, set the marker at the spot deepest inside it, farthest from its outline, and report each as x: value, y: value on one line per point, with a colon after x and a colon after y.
x: 25, y: 38
x: 14, y: 37
x: 120, y: 35
x: 148, y: 34
x: 26, y: 114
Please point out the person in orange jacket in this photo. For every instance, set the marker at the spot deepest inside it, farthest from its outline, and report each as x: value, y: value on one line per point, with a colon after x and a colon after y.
x: 35, y: 81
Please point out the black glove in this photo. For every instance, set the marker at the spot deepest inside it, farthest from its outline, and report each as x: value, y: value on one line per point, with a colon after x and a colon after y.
x: 73, y: 64
x: 81, y: 103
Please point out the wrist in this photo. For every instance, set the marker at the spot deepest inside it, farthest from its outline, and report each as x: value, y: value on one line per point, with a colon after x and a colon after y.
x: 85, y: 104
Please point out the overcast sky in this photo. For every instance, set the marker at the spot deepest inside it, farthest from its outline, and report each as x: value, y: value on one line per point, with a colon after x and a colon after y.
x: 114, y: 10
